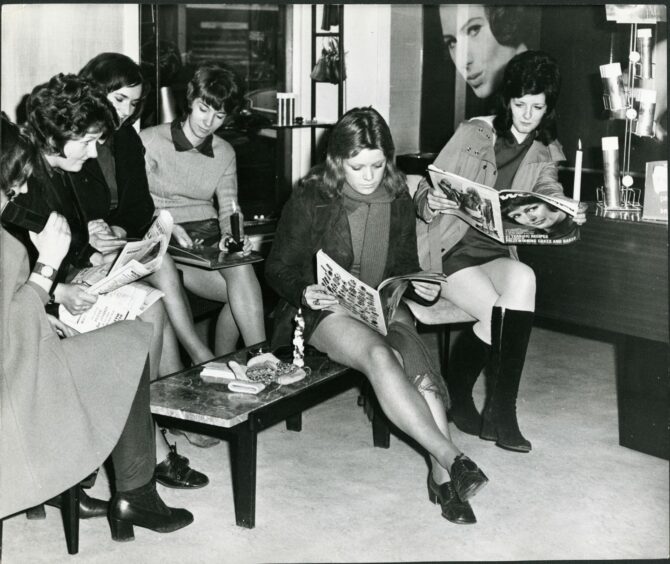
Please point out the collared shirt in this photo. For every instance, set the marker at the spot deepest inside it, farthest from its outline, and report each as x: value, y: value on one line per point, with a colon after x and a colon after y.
x: 181, y: 142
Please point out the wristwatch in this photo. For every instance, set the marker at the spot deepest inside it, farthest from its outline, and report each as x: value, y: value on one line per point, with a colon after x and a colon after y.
x: 45, y: 271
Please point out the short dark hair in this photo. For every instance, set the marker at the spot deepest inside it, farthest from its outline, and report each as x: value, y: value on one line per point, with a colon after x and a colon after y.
x: 530, y: 72
x: 511, y: 204
x: 358, y: 129
x: 17, y: 156
x: 111, y: 71
x: 510, y: 24
x: 67, y: 107
x: 216, y: 86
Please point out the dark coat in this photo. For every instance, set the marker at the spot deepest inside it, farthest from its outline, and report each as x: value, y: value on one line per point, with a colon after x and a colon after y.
x: 135, y: 208
x: 311, y: 221
x: 63, y: 403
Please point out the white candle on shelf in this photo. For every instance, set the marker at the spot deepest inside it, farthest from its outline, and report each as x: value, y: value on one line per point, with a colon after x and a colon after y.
x: 577, y: 184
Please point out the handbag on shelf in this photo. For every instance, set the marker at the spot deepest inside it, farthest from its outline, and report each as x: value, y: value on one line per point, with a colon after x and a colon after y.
x: 327, y: 68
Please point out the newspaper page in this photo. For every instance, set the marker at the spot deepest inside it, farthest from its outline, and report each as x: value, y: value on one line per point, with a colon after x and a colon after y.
x: 374, y: 307
x: 124, y: 303
x: 509, y: 216
x: 136, y: 260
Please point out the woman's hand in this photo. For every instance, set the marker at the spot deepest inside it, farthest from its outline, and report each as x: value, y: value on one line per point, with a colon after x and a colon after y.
x: 102, y: 238
x: 317, y: 297
x: 438, y: 201
x: 62, y: 330
x: 247, y: 246
x: 53, y: 242
x: 182, y: 238
x: 74, y: 297
x: 426, y: 290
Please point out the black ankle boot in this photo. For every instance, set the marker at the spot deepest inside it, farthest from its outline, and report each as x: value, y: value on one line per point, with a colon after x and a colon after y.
x: 510, y: 332
x: 143, y: 507
x: 453, y: 509
x: 89, y: 507
x: 467, y: 477
x: 468, y: 357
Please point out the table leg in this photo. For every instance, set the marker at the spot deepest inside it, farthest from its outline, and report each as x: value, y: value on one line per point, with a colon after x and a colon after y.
x: 294, y: 423
x: 243, y: 462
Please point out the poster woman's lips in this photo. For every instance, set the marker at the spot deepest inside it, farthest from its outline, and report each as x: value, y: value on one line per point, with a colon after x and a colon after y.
x: 475, y: 79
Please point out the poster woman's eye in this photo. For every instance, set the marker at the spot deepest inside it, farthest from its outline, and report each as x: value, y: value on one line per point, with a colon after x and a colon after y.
x: 473, y: 30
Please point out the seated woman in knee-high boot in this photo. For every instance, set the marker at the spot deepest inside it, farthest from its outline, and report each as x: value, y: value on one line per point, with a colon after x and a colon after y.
x: 67, y: 117
x: 357, y: 208
x: 67, y: 404
x: 516, y: 149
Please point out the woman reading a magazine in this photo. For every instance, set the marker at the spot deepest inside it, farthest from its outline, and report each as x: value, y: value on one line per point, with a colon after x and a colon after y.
x: 356, y: 207
x: 515, y: 149
x: 67, y: 404
x: 67, y: 116
x: 188, y: 167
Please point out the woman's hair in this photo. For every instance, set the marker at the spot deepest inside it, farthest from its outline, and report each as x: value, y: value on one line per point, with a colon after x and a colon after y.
x: 17, y: 156
x: 67, y: 107
x: 358, y: 129
x: 216, y: 86
x: 111, y: 71
x: 530, y: 72
x: 510, y: 25
x: 512, y: 204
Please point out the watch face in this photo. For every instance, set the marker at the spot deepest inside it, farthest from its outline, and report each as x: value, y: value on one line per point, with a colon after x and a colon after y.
x: 46, y: 271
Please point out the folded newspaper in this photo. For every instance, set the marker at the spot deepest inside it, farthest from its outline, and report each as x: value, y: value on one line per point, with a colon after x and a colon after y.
x: 120, y: 296
x: 374, y: 307
x: 509, y: 216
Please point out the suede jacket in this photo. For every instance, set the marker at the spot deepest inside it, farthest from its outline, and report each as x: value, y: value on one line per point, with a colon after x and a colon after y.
x: 470, y: 153
x: 311, y: 221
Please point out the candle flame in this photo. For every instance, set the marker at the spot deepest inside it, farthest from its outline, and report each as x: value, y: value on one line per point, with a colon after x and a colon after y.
x: 579, y: 144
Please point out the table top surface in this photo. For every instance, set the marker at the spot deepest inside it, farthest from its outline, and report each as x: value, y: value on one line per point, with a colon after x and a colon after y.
x: 184, y: 395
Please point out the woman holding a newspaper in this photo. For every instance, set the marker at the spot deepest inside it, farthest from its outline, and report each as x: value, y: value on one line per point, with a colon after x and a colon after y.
x: 356, y: 209
x: 68, y: 404
x: 515, y: 149
x: 63, y: 113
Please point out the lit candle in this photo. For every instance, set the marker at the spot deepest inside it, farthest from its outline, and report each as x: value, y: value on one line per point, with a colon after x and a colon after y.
x: 577, y: 184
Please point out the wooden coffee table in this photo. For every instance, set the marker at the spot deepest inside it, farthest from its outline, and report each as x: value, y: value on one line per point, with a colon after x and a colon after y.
x: 182, y: 400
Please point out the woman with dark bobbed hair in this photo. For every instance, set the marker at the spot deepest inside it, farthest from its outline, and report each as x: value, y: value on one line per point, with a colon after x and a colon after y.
x: 516, y: 149
x: 193, y: 174
x: 357, y: 208
x: 67, y: 404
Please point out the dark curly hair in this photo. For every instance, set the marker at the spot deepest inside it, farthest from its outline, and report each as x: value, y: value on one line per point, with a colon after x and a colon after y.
x: 530, y: 72
x: 67, y: 107
x: 17, y: 156
x: 216, y: 86
x: 510, y: 24
x: 111, y: 71
x: 358, y: 129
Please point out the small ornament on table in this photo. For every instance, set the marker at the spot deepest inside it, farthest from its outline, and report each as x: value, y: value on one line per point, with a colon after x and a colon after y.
x: 298, y: 341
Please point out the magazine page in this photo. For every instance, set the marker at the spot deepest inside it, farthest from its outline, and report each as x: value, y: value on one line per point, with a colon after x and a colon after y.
x: 393, y: 289
x: 124, y: 303
x: 478, y: 205
x: 359, y: 299
x: 537, y: 219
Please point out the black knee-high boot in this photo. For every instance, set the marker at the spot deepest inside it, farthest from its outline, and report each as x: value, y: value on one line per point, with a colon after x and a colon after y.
x: 467, y: 358
x: 510, y: 332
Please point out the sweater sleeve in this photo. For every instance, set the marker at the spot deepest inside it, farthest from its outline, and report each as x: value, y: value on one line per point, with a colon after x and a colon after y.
x: 226, y: 192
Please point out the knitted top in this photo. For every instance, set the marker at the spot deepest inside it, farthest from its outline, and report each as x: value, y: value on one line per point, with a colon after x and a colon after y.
x: 186, y: 182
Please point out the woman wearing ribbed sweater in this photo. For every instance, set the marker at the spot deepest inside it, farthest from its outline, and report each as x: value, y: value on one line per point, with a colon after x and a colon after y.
x: 192, y: 173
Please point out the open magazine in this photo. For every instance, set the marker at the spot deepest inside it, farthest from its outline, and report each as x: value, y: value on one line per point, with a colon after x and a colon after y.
x: 374, y: 307
x: 510, y: 216
x: 207, y: 254
x: 120, y: 295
